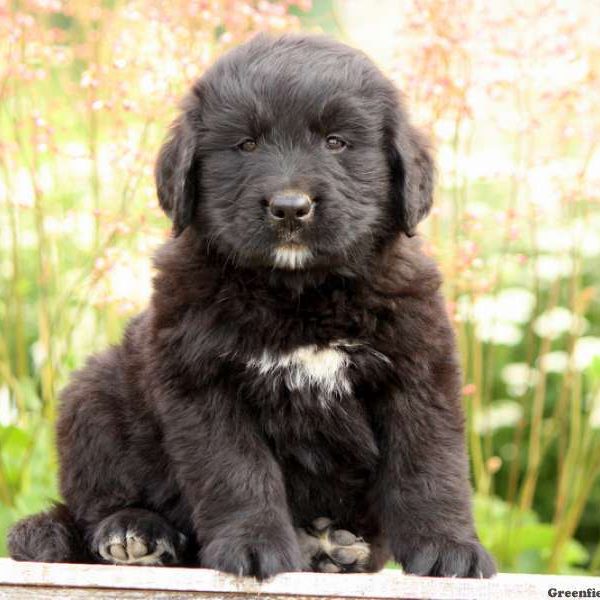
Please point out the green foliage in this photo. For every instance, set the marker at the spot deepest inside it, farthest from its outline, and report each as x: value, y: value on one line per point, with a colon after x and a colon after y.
x: 518, y: 540
x: 27, y: 473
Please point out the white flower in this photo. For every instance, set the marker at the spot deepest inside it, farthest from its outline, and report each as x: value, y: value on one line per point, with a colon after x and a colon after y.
x: 511, y: 305
x: 557, y: 321
x: 554, y: 362
x: 38, y: 354
x: 518, y: 377
x: 589, y: 244
x: 584, y: 238
x: 503, y: 413
x: 8, y: 411
x: 585, y: 351
x: 479, y: 210
x: 496, y: 317
x: 550, y: 268
x: 131, y: 280
x: 545, y: 191
x: 553, y: 240
x: 498, y: 332
x: 515, y: 305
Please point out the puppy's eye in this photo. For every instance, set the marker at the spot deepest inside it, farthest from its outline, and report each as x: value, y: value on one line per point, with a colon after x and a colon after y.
x: 248, y: 145
x: 335, y: 143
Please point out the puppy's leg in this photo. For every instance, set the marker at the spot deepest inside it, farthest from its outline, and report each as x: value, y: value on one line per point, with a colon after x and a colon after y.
x: 111, y: 458
x: 326, y: 549
x: 422, y: 490
x: 232, y: 482
x: 135, y: 536
x: 51, y: 536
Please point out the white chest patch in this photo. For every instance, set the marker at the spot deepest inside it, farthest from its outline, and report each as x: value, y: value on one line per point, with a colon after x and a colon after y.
x: 308, y: 366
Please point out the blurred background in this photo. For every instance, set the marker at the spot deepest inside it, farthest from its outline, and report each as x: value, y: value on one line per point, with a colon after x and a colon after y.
x: 509, y: 92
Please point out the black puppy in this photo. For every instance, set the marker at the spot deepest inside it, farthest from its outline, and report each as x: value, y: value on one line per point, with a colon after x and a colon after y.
x: 296, y: 361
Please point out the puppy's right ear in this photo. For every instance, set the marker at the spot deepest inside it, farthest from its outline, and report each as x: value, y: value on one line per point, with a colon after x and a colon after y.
x: 176, y: 174
x: 412, y: 169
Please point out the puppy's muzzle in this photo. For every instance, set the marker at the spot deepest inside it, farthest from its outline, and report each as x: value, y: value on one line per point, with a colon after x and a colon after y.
x: 290, y: 208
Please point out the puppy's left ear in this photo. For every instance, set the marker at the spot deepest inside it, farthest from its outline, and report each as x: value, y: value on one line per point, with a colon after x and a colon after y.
x: 413, y: 174
x: 176, y: 174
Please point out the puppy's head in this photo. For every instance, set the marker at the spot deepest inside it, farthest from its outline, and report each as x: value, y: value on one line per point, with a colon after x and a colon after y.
x: 294, y: 153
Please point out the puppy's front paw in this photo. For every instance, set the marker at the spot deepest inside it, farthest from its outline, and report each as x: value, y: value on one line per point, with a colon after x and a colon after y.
x: 445, y: 558
x: 260, y: 554
x: 326, y: 549
x: 137, y: 537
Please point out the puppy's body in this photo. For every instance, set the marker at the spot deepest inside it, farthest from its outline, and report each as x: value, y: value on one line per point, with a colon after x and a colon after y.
x: 289, y: 367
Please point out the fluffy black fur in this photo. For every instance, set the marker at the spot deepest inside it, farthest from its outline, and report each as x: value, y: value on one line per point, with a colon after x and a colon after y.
x: 285, y: 370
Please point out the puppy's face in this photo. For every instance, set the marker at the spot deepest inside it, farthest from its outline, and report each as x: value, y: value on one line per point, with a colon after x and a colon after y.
x: 294, y: 153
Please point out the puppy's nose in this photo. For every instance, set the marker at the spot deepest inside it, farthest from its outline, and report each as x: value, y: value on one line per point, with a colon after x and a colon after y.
x: 290, y: 206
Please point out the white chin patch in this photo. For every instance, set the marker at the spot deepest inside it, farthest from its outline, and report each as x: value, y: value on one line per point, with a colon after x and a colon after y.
x: 291, y: 257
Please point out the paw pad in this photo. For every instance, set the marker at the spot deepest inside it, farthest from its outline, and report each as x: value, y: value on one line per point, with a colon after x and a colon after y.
x: 137, y: 537
x: 329, y: 550
x: 134, y: 549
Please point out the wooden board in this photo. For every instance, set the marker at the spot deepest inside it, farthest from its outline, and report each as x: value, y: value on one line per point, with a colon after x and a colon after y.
x: 20, y: 580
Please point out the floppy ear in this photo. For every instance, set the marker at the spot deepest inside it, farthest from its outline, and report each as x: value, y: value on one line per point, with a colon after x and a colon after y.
x: 176, y: 174
x: 413, y: 175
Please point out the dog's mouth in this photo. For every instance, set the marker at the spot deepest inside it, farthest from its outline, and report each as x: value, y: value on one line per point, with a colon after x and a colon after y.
x: 291, y: 256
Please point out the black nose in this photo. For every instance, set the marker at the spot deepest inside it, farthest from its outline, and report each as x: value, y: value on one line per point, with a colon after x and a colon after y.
x: 290, y: 205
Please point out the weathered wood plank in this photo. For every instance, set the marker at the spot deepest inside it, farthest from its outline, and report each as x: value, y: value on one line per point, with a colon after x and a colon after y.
x: 56, y: 593
x: 43, y: 580
x: 48, y: 593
